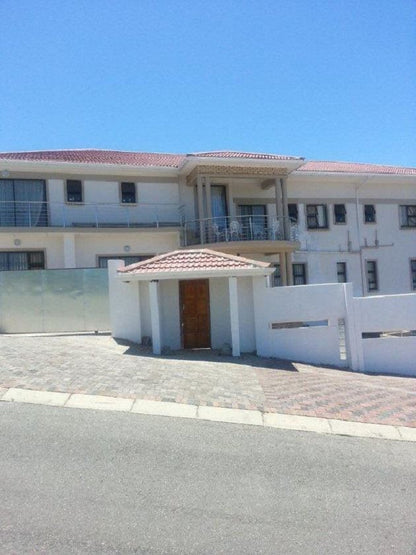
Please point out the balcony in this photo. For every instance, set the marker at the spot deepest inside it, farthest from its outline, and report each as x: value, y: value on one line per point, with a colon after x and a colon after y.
x: 241, y: 233
x: 34, y: 214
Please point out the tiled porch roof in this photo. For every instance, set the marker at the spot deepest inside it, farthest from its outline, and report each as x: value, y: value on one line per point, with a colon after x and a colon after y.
x: 193, y: 260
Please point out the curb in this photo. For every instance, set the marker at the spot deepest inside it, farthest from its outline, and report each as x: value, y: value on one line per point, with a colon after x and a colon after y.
x: 214, y: 414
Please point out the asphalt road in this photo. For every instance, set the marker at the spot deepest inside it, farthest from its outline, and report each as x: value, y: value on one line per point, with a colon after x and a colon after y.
x: 74, y: 481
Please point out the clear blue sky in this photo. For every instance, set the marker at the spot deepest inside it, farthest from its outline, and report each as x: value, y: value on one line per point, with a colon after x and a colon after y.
x: 324, y: 79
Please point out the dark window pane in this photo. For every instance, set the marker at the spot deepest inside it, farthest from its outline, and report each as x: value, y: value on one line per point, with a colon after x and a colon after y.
x: 276, y: 277
x: 128, y: 193
x: 369, y: 213
x: 299, y: 274
x: 372, y: 279
x: 342, y: 272
x: 21, y: 260
x: 293, y: 212
x: 316, y: 216
x: 340, y: 214
x: 73, y: 190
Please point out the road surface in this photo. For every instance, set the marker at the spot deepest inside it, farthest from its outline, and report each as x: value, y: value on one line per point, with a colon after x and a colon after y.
x: 80, y: 481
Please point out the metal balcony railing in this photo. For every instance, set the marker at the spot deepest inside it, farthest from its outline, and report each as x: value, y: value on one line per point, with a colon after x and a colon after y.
x: 105, y: 215
x: 238, y: 228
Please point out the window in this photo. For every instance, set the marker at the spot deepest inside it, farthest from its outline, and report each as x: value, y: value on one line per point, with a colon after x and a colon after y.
x: 369, y: 214
x: 293, y: 212
x: 413, y: 272
x: 408, y: 216
x: 20, y: 260
x: 340, y: 214
x: 276, y: 276
x: 73, y: 190
x: 253, y: 220
x: 372, y: 277
x: 103, y: 260
x: 316, y: 215
x: 342, y: 272
x: 128, y: 193
x: 23, y: 203
x: 219, y: 206
x: 299, y: 274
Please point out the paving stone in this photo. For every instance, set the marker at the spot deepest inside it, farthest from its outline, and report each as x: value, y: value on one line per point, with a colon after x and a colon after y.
x: 99, y: 365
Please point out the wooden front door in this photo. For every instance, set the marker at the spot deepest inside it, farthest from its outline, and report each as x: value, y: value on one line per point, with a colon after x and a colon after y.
x: 195, y: 320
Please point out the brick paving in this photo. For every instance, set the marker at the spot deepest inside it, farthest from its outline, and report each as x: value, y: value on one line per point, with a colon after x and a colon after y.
x: 97, y: 364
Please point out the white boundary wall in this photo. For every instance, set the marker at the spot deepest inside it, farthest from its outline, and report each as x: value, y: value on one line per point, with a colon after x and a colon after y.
x: 302, y: 303
x: 294, y: 307
x: 388, y: 353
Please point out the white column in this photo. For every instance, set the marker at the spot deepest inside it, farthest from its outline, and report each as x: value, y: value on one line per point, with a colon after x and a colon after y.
x: 124, y: 300
x: 286, y: 223
x: 353, y: 339
x: 234, y: 319
x: 278, y: 200
x: 289, y: 269
x: 283, y: 269
x: 201, y: 215
x: 155, y: 317
x: 69, y: 250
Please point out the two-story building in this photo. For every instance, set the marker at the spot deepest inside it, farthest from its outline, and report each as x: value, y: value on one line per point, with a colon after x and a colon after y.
x: 317, y: 222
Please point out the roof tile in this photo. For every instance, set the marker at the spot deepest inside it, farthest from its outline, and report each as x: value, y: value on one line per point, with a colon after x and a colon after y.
x: 188, y: 260
x: 354, y: 167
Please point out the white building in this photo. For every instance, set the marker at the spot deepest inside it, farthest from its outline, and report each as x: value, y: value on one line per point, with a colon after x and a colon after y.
x: 318, y: 222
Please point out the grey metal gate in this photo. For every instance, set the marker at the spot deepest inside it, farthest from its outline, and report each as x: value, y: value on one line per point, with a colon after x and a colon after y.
x: 54, y: 301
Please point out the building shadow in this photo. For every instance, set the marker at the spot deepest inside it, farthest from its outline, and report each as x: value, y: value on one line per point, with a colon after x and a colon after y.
x: 207, y: 355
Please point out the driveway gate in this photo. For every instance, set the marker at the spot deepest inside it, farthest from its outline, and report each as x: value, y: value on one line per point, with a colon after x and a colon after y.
x: 54, y: 301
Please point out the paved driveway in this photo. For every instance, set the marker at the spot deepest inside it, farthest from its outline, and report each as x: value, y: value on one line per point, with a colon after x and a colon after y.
x: 97, y: 364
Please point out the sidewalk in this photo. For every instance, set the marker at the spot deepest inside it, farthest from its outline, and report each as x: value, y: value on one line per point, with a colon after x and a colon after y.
x: 98, y: 365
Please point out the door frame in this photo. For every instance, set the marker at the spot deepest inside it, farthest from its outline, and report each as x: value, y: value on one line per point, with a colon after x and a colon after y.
x: 206, y: 280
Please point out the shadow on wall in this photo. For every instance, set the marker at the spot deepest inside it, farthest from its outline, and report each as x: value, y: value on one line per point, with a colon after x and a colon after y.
x: 207, y: 355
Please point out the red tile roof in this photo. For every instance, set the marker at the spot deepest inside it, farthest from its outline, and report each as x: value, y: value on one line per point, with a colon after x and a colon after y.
x: 96, y: 156
x: 354, y: 167
x: 245, y: 155
x: 193, y: 260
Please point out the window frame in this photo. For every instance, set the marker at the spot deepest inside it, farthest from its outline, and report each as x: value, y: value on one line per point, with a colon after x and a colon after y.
x: 81, y: 183
x: 406, y: 207
x: 344, y: 273
x: 316, y: 227
x: 375, y: 272
x: 27, y: 252
x: 344, y: 222
x: 413, y: 274
x: 374, y: 221
x: 121, y: 192
x: 277, y: 275
x: 304, y: 273
x: 120, y: 257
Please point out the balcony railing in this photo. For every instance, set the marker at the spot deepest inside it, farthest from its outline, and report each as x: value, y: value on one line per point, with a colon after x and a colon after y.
x: 239, y: 228
x: 106, y: 215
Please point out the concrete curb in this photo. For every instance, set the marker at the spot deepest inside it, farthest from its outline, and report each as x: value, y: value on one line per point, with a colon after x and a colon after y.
x: 215, y: 414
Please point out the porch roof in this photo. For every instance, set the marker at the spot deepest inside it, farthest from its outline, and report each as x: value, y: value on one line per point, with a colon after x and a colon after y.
x: 196, y: 263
